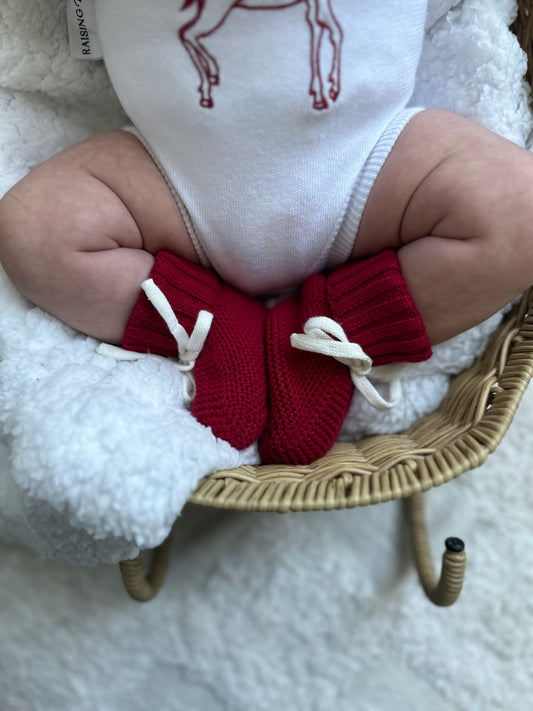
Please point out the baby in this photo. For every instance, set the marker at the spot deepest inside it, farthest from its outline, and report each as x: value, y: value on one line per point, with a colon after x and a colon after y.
x: 272, y: 153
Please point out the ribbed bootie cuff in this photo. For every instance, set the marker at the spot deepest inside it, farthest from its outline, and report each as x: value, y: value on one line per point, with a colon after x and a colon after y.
x: 372, y: 303
x: 187, y: 285
x: 229, y: 370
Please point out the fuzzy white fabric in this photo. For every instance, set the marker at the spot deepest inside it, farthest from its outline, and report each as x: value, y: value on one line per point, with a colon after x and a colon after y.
x: 102, y: 456
x: 314, y: 612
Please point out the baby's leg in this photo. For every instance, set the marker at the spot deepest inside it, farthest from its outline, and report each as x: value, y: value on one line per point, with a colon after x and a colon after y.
x: 456, y: 201
x: 77, y: 237
x: 78, y: 233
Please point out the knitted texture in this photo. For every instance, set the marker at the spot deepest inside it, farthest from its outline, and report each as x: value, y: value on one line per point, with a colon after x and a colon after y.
x: 310, y: 393
x: 372, y: 303
x: 229, y: 373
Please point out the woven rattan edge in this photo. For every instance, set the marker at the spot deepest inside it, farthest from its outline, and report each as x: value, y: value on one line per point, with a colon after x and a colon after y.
x: 346, y: 479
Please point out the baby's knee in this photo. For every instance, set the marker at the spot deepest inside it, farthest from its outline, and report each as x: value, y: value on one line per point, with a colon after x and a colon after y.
x: 501, y: 205
x: 56, y: 212
x: 484, y: 185
x: 16, y: 254
x: 31, y: 249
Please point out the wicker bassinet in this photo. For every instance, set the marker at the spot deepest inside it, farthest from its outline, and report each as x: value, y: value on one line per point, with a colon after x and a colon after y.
x: 458, y: 437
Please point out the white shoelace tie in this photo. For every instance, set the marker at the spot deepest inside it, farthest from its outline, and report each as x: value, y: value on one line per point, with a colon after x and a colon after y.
x: 325, y: 336
x: 189, y: 347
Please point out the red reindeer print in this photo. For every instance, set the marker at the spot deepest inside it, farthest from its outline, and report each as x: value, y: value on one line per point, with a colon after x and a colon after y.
x: 213, y: 13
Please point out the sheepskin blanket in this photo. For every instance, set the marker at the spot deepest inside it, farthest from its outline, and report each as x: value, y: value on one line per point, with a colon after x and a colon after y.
x: 98, y: 457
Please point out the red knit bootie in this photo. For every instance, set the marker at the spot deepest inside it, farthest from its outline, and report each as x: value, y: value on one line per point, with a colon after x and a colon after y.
x: 310, y: 393
x: 229, y: 370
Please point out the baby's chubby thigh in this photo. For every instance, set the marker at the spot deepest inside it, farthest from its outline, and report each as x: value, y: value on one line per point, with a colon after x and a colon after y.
x: 78, y: 233
x: 102, y: 193
x: 451, y: 178
x: 456, y: 201
x: 126, y: 167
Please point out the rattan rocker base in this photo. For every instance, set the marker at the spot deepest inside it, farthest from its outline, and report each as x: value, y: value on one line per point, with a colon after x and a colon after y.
x: 142, y: 586
x: 442, y: 591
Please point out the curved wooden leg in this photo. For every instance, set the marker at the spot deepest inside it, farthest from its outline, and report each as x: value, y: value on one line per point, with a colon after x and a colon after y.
x: 139, y: 585
x: 445, y: 590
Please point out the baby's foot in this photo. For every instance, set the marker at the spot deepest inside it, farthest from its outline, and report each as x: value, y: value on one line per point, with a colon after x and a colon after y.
x: 310, y: 393
x: 229, y: 372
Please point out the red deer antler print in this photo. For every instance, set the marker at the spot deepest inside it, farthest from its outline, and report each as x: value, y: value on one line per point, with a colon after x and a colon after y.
x: 211, y: 15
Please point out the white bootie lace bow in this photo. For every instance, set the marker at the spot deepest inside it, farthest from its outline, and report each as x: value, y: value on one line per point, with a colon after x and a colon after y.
x: 189, y: 347
x: 325, y: 336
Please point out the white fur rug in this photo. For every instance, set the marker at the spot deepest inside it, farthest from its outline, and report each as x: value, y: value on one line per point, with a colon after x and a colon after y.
x: 102, y: 455
x: 321, y: 612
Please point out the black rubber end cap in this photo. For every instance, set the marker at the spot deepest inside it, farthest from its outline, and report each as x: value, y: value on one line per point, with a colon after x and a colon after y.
x: 455, y: 545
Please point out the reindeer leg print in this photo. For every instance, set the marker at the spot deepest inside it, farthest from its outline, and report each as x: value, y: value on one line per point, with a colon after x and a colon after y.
x: 321, y: 18
x: 211, y: 14
x: 200, y: 61
x: 316, y: 88
x: 209, y: 17
x: 205, y: 83
x: 327, y: 19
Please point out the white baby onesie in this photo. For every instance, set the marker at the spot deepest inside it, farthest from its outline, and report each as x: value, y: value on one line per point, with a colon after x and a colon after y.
x: 270, y: 119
